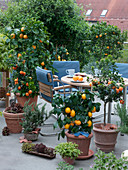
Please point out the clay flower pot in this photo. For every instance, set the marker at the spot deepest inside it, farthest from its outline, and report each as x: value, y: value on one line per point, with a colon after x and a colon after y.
x: 13, y: 121
x: 83, y: 144
x: 105, y: 139
x: 69, y: 160
x: 23, y: 99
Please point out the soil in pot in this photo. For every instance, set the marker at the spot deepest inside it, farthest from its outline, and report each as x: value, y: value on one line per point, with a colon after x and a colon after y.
x: 105, y: 136
x: 83, y: 144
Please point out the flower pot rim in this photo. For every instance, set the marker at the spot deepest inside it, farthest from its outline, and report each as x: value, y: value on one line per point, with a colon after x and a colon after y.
x: 78, y: 137
x: 103, y: 130
x: 6, y: 114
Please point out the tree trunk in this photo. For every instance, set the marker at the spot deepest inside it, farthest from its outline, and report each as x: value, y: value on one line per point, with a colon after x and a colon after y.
x: 105, y: 114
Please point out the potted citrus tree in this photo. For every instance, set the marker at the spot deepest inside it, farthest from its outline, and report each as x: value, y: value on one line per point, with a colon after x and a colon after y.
x: 29, y: 49
x: 108, y: 87
x: 69, y: 151
x: 74, y: 114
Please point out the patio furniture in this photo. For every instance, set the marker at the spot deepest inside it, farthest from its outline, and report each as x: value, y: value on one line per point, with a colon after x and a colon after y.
x: 46, y: 85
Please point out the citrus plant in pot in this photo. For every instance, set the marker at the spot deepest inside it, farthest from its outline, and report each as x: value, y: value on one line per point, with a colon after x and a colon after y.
x: 33, y: 118
x: 69, y: 151
x: 74, y: 114
x: 13, y: 116
x: 108, y: 87
x: 29, y: 49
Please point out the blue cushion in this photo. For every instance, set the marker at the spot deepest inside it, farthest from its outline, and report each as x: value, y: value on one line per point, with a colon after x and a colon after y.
x: 62, y: 66
x: 42, y: 77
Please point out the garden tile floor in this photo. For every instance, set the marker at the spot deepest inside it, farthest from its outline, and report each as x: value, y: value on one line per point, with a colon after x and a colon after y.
x: 12, y: 158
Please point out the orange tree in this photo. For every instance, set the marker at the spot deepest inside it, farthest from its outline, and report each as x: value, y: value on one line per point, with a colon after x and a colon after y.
x: 109, y: 85
x: 29, y: 49
x: 105, y: 40
x: 75, y: 112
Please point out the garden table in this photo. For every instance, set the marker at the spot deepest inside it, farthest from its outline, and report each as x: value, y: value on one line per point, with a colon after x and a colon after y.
x: 86, y: 84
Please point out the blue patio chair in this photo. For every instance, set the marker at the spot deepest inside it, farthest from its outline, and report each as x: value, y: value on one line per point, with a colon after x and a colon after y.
x: 62, y: 66
x: 46, y: 85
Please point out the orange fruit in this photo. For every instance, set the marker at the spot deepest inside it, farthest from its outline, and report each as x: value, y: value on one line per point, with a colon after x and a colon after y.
x: 21, y: 35
x: 24, y: 73
x: 42, y: 64
x: 67, y: 126
x: 94, y: 109
x: 30, y: 78
x: 100, y: 35
x: 13, y: 36
x: 30, y: 91
x: 40, y: 41
x: 21, y: 72
x: 107, y: 47
x: 22, y: 29
x: 89, y: 123
x: 118, y: 42
x: 23, y: 61
x: 83, y: 96
x: 78, y: 122
x: 34, y: 47
x: 80, y: 78
x: 113, y: 87
x: 90, y: 84
x: 121, y: 101
x: 27, y: 94
x: 106, y: 54
x: 105, y: 33
x: 90, y: 114
x: 89, y: 51
x: 25, y: 36
x: 19, y: 88
x: 113, y: 32
x: 96, y: 36
x: 67, y: 110
x: 8, y: 94
x: 72, y: 114
x: 117, y: 91
x: 120, y: 88
x: 45, y: 68
x: 72, y: 124
x: 16, y: 82
x: 109, y: 82
x: 19, y: 55
x: 27, y: 84
x: 14, y: 68
x: 75, y: 78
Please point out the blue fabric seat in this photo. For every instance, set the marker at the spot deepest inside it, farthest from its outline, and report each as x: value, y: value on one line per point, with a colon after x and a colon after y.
x: 62, y: 66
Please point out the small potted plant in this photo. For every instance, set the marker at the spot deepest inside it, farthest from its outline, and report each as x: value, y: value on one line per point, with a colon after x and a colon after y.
x: 75, y: 116
x: 32, y: 119
x: 108, y: 161
x: 69, y: 151
x: 13, y: 116
x: 108, y: 87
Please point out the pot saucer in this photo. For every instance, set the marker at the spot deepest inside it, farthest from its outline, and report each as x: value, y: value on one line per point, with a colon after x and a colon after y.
x: 91, y: 153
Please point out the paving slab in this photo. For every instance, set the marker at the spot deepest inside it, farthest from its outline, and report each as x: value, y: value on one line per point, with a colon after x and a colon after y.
x: 12, y: 158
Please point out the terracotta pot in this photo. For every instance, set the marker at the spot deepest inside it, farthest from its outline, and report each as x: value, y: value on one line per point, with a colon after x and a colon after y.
x: 105, y: 140
x: 12, y: 121
x: 23, y: 99
x: 31, y: 136
x: 69, y: 160
x: 83, y: 143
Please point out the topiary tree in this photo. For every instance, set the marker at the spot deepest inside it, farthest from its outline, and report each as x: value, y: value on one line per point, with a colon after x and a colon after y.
x: 29, y: 46
x: 105, y: 40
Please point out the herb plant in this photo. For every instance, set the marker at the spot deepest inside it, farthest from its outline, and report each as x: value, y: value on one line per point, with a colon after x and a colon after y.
x: 108, y: 162
x: 68, y: 149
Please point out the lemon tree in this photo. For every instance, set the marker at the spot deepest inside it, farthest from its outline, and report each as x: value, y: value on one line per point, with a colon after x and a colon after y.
x: 75, y: 112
